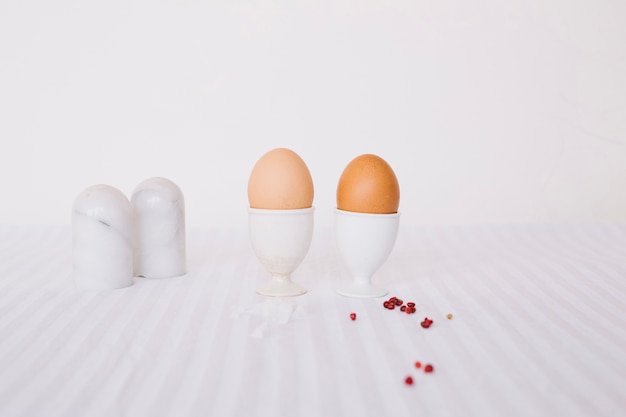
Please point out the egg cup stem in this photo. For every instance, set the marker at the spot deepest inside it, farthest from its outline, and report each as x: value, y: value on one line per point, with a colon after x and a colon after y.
x: 362, y: 287
x: 280, y: 286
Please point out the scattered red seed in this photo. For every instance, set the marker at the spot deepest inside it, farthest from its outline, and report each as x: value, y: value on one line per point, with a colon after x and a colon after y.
x: 408, y: 380
x: 426, y: 323
x: 418, y: 364
x: 352, y: 316
x: 392, y: 302
x: 428, y: 368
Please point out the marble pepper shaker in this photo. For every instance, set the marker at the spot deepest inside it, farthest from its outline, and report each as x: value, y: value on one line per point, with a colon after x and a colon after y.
x: 102, y: 239
x: 159, y: 212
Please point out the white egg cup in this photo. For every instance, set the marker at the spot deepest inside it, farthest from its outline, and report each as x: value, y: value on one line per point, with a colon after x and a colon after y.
x: 364, y: 241
x: 280, y: 240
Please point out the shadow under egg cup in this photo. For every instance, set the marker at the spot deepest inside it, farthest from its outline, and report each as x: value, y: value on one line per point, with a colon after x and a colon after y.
x: 364, y: 241
x: 280, y: 240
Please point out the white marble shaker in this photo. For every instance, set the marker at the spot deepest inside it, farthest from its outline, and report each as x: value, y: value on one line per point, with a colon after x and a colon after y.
x: 102, y: 251
x: 159, y: 210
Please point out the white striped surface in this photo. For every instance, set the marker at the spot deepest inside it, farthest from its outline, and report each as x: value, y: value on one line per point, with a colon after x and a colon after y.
x: 538, y: 329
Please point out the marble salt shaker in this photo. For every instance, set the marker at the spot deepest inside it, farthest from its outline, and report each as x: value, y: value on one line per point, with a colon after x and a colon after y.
x: 102, y: 248
x: 159, y: 210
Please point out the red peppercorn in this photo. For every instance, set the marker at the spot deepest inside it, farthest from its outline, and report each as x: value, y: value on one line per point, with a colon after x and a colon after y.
x: 403, y: 308
x: 408, y: 380
x: 410, y: 304
x: 426, y: 323
x: 429, y: 368
x: 418, y: 364
x: 398, y: 302
x: 352, y: 316
x: 391, y: 306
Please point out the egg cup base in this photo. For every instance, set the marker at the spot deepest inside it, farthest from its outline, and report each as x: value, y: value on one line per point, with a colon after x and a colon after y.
x: 361, y: 290
x: 280, y: 287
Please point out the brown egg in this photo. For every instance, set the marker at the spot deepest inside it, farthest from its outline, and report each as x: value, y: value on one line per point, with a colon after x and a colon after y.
x: 280, y: 180
x: 368, y: 185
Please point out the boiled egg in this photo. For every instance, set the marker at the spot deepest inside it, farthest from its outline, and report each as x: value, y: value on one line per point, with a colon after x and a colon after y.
x: 280, y: 180
x: 368, y: 185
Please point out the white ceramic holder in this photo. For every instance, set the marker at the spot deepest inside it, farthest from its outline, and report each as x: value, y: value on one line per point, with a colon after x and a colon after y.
x: 280, y: 240
x: 364, y: 241
x: 159, y: 246
x: 102, y: 252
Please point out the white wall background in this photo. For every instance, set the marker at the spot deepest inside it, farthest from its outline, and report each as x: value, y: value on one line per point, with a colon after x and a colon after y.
x: 488, y: 110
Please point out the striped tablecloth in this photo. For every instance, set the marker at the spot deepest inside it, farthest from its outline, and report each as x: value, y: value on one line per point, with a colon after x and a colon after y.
x: 538, y: 329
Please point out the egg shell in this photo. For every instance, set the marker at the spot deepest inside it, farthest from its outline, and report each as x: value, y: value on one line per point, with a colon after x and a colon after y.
x: 368, y: 185
x: 280, y: 180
